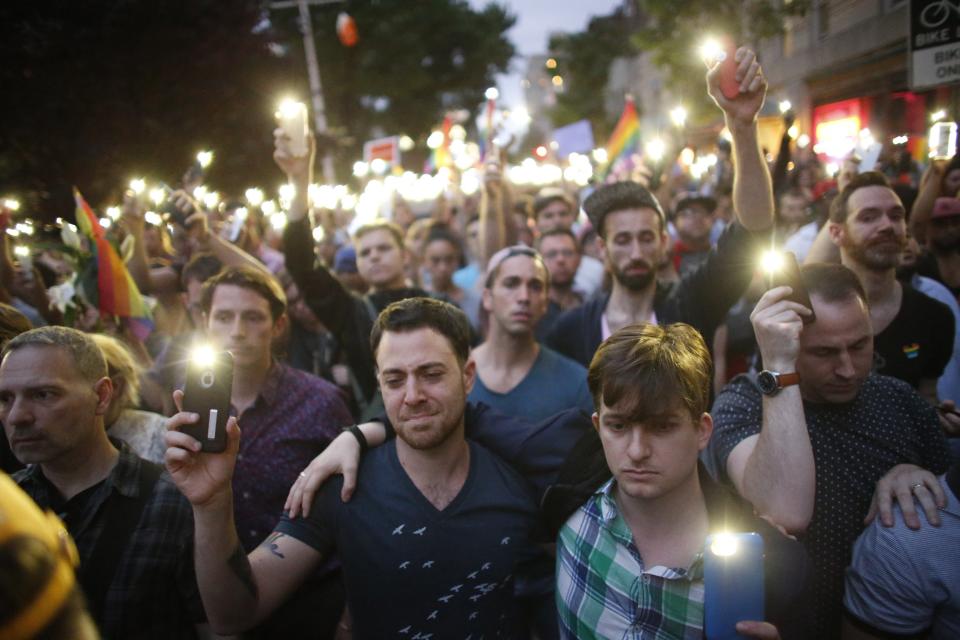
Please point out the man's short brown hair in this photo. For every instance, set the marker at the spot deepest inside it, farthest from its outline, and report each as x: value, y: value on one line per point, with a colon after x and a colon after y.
x: 256, y: 280
x: 380, y: 225
x: 652, y: 367
x: 838, y: 208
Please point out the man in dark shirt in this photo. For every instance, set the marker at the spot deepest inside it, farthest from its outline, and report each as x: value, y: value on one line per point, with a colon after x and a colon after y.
x: 807, y: 440
x: 913, y: 333
x: 132, y: 527
x: 429, y: 550
x: 380, y: 261
x: 634, y: 241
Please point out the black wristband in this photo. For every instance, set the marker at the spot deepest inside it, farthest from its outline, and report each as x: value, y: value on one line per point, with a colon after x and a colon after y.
x: 358, y: 434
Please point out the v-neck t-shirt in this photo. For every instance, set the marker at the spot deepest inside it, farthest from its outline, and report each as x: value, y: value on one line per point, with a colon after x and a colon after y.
x: 412, y: 570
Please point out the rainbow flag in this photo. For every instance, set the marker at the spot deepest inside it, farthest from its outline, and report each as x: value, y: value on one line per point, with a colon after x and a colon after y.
x: 440, y: 157
x: 625, y: 139
x: 117, y: 293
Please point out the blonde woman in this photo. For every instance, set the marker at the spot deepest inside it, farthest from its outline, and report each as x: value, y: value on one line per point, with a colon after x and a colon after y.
x: 142, y: 430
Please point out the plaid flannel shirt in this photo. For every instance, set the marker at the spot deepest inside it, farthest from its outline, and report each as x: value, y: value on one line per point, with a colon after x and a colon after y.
x: 605, y: 591
x: 154, y: 592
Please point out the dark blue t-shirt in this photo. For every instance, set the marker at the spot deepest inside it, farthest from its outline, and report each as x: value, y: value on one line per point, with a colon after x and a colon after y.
x: 412, y: 571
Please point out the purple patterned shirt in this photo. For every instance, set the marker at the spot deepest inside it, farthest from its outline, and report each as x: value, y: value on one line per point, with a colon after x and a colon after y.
x: 293, y: 419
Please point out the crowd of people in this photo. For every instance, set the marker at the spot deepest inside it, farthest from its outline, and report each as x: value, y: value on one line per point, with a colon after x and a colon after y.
x: 519, y: 415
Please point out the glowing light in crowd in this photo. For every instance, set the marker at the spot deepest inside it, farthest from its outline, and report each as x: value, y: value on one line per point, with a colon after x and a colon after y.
x: 254, y: 196
x: 25, y: 227
x: 211, y: 200
x: 289, y: 108
x: 13, y: 232
x: 687, y: 156
x: 318, y: 234
x: 771, y: 261
x: 837, y: 138
x: 866, y: 138
x: 793, y: 132
x: 200, y: 193
x: 157, y: 195
x: 938, y: 115
x: 378, y: 166
x: 405, y: 143
x: 785, y: 106
x: 12, y: 204
x: 678, y: 115
x: 599, y: 155
x: 723, y: 545
x: 900, y: 140
x: 287, y: 191
x: 803, y: 141
x: 491, y: 94
x: 204, y: 158
x: 832, y: 169
x: 113, y: 212
x: 240, y: 213
x: 655, y: 149
x: 434, y: 140
x: 540, y: 152
x: 105, y: 223
x: 551, y: 63
x: 269, y: 207
x: 457, y: 132
x: 361, y: 169
x: 521, y: 115
x: 726, y: 135
x: 470, y: 182
x: 711, y: 50
x: 152, y: 218
x: 557, y: 81
x: 203, y: 355
x: 278, y: 221
x: 21, y: 252
x: 137, y: 185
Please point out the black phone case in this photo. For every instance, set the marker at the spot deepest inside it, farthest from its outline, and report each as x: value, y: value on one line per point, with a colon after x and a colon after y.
x: 207, y: 393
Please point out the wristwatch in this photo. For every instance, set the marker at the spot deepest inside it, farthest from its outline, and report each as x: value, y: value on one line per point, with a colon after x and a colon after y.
x: 770, y: 382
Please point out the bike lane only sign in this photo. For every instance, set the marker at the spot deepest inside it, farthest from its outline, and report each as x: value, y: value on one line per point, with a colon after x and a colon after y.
x: 934, y: 43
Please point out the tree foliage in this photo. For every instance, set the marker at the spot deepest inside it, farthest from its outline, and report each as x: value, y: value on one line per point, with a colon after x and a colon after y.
x: 98, y: 91
x: 584, y: 60
x: 413, y: 62
x: 672, y: 32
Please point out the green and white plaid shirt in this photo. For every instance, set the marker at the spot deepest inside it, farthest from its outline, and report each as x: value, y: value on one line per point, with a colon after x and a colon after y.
x: 605, y: 591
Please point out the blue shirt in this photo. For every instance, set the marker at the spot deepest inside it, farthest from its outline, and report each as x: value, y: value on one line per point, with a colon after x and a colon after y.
x: 554, y: 383
x: 906, y: 582
x: 412, y: 571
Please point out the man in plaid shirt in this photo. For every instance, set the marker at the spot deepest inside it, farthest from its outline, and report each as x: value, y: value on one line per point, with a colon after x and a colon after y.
x: 629, y: 560
x: 133, y: 529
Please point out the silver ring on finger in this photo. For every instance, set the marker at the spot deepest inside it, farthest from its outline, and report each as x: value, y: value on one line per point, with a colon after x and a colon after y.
x: 303, y: 474
x: 914, y: 487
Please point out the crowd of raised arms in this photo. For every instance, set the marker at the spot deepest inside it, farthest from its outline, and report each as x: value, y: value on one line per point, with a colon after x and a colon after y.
x: 553, y: 413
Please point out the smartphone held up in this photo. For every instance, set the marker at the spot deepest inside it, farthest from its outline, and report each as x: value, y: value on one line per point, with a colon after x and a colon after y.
x: 207, y: 393
x: 733, y: 584
x: 292, y: 116
x: 783, y: 269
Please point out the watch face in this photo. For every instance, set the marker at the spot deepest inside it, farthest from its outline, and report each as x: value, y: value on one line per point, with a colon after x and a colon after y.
x: 767, y: 381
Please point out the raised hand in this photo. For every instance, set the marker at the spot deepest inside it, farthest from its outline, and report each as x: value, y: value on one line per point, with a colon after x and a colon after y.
x: 203, y: 478
x: 743, y: 109
x: 777, y: 323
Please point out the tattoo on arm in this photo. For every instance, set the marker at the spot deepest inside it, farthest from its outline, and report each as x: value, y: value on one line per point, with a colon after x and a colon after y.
x: 240, y: 566
x: 271, y: 544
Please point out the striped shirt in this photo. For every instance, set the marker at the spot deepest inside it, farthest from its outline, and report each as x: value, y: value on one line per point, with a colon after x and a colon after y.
x: 604, y: 590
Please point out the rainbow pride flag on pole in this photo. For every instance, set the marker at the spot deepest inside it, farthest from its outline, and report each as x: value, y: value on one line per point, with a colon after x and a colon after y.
x: 117, y: 293
x: 625, y: 139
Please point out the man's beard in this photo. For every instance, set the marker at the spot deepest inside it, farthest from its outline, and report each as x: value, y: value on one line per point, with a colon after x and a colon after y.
x: 878, y: 255
x: 433, y: 438
x: 634, y: 282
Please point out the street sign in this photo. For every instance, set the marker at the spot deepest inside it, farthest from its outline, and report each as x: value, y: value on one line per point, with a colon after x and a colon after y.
x: 387, y: 149
x: 934, y: 43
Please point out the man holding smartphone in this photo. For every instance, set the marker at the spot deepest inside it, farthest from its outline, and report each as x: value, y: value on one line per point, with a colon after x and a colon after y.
x: 630, y: 560
x: 808, y: 439
x: 429, y: 544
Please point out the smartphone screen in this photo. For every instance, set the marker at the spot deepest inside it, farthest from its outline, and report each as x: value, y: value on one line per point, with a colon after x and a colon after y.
x: 207, y: 393
x: 943, y: 140
x: 732, y: 583
x: 789, y: 275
